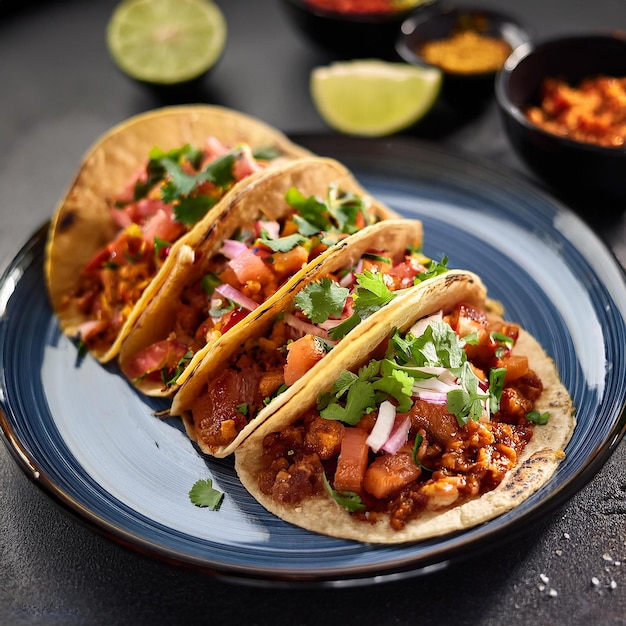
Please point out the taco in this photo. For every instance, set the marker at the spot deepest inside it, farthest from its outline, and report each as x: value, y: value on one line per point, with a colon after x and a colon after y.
x: 440, y: 418
x: 145, y: 185
x: 254, y: 370
x: 266, y: 235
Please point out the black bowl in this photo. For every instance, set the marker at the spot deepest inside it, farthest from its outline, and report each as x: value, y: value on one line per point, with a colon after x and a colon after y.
x: 351, y: 35
x: 572, y: 167
x: 461, y: 89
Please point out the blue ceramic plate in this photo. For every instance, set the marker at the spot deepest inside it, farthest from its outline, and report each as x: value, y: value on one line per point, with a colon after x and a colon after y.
x: 84, y: 435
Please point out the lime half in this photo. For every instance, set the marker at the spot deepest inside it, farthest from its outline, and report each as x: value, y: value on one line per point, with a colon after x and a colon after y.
x: 165, y: 42
x: 372, y: 97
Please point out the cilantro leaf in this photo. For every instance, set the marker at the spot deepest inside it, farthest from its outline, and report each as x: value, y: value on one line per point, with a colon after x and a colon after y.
x: 193, y: 209
x: 467, y: 403
x: 538, y: 418
x: 399, y: 385
x: 359, y: 392
x: 282, y: 244
x: 341, y: 330
x: 203, y: 494
x: 310, y: 209
x: 372, y: 293
x: 322, y: 299
x: 268, y: 153
x: 496, y: 385
x: 360, y: 400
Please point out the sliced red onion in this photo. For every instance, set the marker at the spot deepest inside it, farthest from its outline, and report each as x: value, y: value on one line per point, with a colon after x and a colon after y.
x: 436, y: 397
x: 382, y: 428
x: 329, y: 324
x: 305, y: 327
x: 399, y: 435
x: 272, y: 228
x: 88, y: 329
x: 231, y: 248
x: 433, y: 384
x: 417, y: 330
x: 230, y: 293
x: 347, y: 280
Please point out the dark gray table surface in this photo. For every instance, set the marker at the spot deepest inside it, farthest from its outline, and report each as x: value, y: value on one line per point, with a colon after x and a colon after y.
x: 58, y: 92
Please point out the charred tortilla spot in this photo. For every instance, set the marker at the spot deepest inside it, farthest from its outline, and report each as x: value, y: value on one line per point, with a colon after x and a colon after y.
x: 528, y: 473
x: 67, y: 221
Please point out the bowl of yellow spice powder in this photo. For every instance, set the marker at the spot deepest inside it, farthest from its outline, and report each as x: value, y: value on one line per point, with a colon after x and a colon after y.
x: 470, y: 45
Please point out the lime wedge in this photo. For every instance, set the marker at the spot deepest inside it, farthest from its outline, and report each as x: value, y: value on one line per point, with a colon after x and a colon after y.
x: 372, y: 97
x: 165, y: 42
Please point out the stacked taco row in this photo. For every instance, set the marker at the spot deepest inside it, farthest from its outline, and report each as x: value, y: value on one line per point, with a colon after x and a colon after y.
x: 365, y: 390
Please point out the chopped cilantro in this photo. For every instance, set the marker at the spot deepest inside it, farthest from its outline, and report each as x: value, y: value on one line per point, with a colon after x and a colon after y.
x: 169, y: 376
x: 209, y: 282
x: 282, y: 244
x: 338, y: 212
x: 538, y: 418
x: 280, y: 390
x: 496, y: 385
x: 416, y: 447
x: 322, y: 299
x: 349, y: 500
x: 181, y: 187
x: 268, y: 153
x: 203, y: 494
x: 371, y: 295
x: 160, y: 244
x: 433, y: 268
x: 377, y: 257
x: 505, y: 340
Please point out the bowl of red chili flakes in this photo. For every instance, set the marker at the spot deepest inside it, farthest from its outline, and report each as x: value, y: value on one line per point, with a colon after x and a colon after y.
x: 351, y: 29
x: 563, y: 106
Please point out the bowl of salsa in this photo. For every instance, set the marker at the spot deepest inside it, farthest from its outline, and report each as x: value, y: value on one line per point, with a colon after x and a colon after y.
x: 563, y: 105
x: 351, y: 29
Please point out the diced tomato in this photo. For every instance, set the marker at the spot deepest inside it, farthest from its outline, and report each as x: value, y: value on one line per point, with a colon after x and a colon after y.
x: 302, y: 355
x: 288, y: 263
x: 516, y: 366
x: 389, y: 473
x: 469, y: 319
x: 145, y: 208
x: 249, y: 267
x: 162, y: 225
x: 352, y: 461
x: 246, y: 165
x: 232, y: 318
x: 166, y: 353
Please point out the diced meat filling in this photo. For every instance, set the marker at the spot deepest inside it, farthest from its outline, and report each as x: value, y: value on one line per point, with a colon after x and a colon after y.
x: 451, y: 464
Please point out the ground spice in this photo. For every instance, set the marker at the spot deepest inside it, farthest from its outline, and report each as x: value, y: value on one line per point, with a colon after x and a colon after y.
x: 363, y: 6
x: 466, y: 52
x: 592, y: 112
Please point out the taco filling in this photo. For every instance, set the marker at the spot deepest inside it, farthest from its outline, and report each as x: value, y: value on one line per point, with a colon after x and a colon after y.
x: 159, y: 205
x: 436, y: 420
x: 248, y: 268
x: 321, y: 314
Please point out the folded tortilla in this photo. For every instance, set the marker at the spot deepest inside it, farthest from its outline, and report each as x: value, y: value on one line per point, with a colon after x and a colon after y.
x: 219, y: 427
x: 82, y: 224
x: 261, y: 201
x: 321, y: 513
